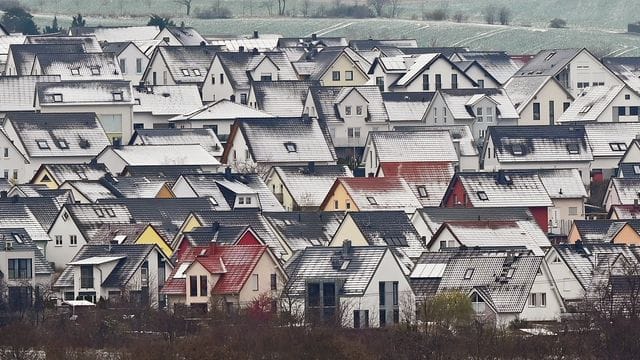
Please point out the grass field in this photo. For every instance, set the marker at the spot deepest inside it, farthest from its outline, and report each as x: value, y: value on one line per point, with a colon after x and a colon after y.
x: 514, y: 39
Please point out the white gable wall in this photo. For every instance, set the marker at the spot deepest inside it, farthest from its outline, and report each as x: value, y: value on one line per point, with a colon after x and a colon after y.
x: 60, y: 255
x: 212, y: 88
x: 439, y: 67
x: 550, y: 92
x: 585, y: 68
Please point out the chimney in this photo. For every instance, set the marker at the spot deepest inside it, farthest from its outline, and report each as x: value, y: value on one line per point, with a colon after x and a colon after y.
x: 311, y: 167
x: 314, y: 37
x: 3, y: 194
x: 117, y: 143
x: 635, y: 201
x: 346, y: 248
x: 254, y: 51
x: 241, y: 49
x: 227, y: 173
x: 203, y: 43
x: 255, y: 34
x: 424, y: 240
x: 215, y: 227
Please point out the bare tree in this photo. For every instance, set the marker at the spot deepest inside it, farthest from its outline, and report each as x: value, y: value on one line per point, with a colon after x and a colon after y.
x: 489, y: 14
x: 268, y: 4
x: 306, y: 5
x: 282, y: 4
x: 395, y: 8
x: 504, y: 15
x: 148, y: 3
x: 186, y: 4
x: 378, y: 6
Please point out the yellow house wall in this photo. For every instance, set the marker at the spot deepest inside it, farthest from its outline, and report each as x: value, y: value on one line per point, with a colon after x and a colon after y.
x: 627, y: 236
x: 343, y: 64
x: 50, y: 184
x: 165, y: 193
x: 348, y: 231
x: 342, y: 196
x: 274, y: 182
x: 150, y: 236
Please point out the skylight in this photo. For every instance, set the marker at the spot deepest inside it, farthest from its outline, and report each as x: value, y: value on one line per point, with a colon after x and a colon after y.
x: 636, y: 169
x: 573, y: 149
x: 185, y: 72
x: 180, y: 272
x: 510, y: 273
x: 517, y: 149
x: 17, y: 237
x: 482, y: 195
x: 75, y: 71
x: 196, y: 72
x: 422, y: 191
x: 99, y: 212
x: 95, y: 70
x: 291, y: 147
x: 62, y: 144
x: 110, y: 213
x: 42, y: 144
x: 618, y: 146
x: 57, y: 97
x: 117, y: 96
x: 468, y: 274
x: 372, y: 200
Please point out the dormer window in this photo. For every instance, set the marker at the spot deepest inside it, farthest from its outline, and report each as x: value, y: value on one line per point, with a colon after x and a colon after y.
x: 618, y: 146
x: 196, y: 72
x: 117, y: 96
x: 291, y: 147
x: 185, y: 72
x: 482, y: 195
x: 422, y: 191
x: 75, y: 71
x: 43, y: 144
x: 56, y: 97
x: 573, y: 149
x: 372, y: 200
x: 95, y: 70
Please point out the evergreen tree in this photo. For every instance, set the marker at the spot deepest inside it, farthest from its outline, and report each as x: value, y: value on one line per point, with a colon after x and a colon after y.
x: 18, y: 20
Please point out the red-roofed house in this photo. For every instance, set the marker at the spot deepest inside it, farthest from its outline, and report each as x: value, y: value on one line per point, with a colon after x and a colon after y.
x: 234, y: 275
x: 428, y: 180
x: 371, y: 193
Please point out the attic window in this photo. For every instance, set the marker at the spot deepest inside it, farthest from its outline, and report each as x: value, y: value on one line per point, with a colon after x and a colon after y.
x: 573, y: 149
x: 482, y: 195
x: 196, y: 72
x: 636, y: 169
x: 618, y: 146
x: 185, y: 72
x: 42, y: 144
x: 117, y: 96
x: 372, y: 200
x: 468, y: 274
x: 56, y: 97
x: 291, y: 147
x: 75, y: 71
x: 422, y: 191
x: 17, y: 237
x: 99, y: 212
x: 517, y: 149
x: 62, y: 144
x: 95, y: 70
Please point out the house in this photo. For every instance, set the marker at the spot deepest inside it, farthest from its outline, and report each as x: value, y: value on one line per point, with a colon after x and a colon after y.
x: 302, y: 188
x: 131, y: 59
x: 371, y: 44
x: 503, y: 287
x: 131, y: 234
x: 613, y: 103
x: 87, y: 191
x: 17, y: 93
x: 575, y: 69
x: 477, y: 108
x: 58, y: 196
x: 489, y: 233
x: 624, y: 212
x: 539, y: 100
x: 605, y: 231
x: 428, y: 180
x: 314, y: 41
x: 609, y: 142
x: 231, y: 277
x: 40, y: 138
x: 350, y: 113
x: 540, y: 147
x: 169, y: 173
x: 137, y: 187
x: 154, y: 106
x: 256, y: 40
x: 54, y: 175
x: 495, y: 67
x: 414, y: 73
x: 333, y: 66
x: 203, y: 137
x: 33, y: 214
x: 116, y: 272
x: 230, y: 191
x: 90, y: 43
x: 422, y: 146
x: 179, y: 65
x: 218, y: 116
x: 21, y: 56
x: 298, y: 230
x: 181, y: 36
x: 267, y: 142
x: 112, y: 34
x: 15, y: 163
x: 428, y: 220
x: 116, y: 158
x: 500, y: 189
x: 382, y: 228
x: 568, y: 194
x: 406, y: 108
x: 367, y: 194
x: 231, y: 74
x: 626, y: 68
x: 28, y: 273
x: 77, y: 66
x: 218, y: 234
x: 280, y: 98
x: 622, y: 191
x: 354, y: 286
x: 111, y: 100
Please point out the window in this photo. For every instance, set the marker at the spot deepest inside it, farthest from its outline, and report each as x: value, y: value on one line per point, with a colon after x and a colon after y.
x: 425, y: 82
x: 256, y: 282
x: 185, y: 72
x: 99, y: 212
x: 6, y: 152
x: 95, y: 70
x: 552, y: 111
x: 335, y: 204
x: 123, y: 66
x: 110, y: 212
x: 221, y: 78
x: 573, y: 149
x: 86, y: 276
x: 243, y: 99
x: 241, y: 200
x: 117, y: 96
x: 348, y: 75
x: 582, y: 85
x: 565, y: 106
x: 291, y: 147
x: 636, y: 169
x: 76, y: 71
x: 65, y: 216
x: 353, y: 133
x: 359, y: 110
x: 622, y: 111
x: 510, y: 272
x: 112, y: 123
x: 193, y: 285
x: 266, y: 77
x: 633, y: 110
x: 274, y: 282
x: 42, y: 144
x: 138, y: 66
x: 196, y: 72
x: 537, y: 300
x: 536, y: 111
x: 347, y: 110
x: 454, y: 81
x: 381, y: 293
x: 396, y: 316
x: 479, y: 114
x: 348, y: 205
x: 556, y: 260
x: 468, y: 274
x: 489, y: 114
x: 203, y: 285
x: 481, y: 84
x: 20, y: 269
x: 482, y: 195
x: 213, y: 79
x: 438, y: 81
x: 56, y: 97
x: 396, y: 298
x: 356, y: 319
x: 435, y: 115
x: 383, y: 318
x: 422, y: 191
x: 73, y: 239
x: 444, y: 115
x: 58, y: 240
x: 335, y: 75
x: 573, y: 210
x: 618, y: 146
x: 627, y: 97
x: 372, y: 200
x: 517, y: 149
x: 248, y: 200
x: 380, y: 83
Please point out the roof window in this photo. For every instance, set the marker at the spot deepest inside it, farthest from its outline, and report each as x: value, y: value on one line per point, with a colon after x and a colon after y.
x: 117, y: 96
x: 636, y: 169
x: 551, y: 54
x: 422, y: 191
x: 111, y: 213
x: 372, y: 200
x: 56, y: 97
x: 99, y: 212
x: 482, y: 195
x: 517, y: 149
x: 618, y: 146
x: 510, y: 273
x: 291, y: 147
x: 196, y: 72
x: 468, y: 274
x: 63, y: 144
x: 42, y: 144
x: 17, y: 237
x: 75, y: 71
x: 185, y: 72
x: 573, y: 149
x: 95, y: 70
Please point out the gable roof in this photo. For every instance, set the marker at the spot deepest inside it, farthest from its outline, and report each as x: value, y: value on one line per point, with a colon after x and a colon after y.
x: 591, y: 103
x: 420, y: 63
x: 220, y: 110
x: 370, y: 44
x: 382, y: 193
x: 83, y: 92
x: 112, y: 34
x: 523, y: 89
x: 58, y: 134
x: 186, y: 35
x: 601, y: 136
x: 185, y: 154
x: 497, y: 63
x: 239, y: 65
x: 64, y: 172
x: 201, y: 136
x: 89, y: 43
x: 563, y: 183
x: 389, y: 228
x: 21, y: 241
x: 413, y: 146
x: 626, y: 68
x: 309, y: 186
x: 79, y: 66
x: 600, y: 231
x: 302, y: 229
x: 327, y: 98
x: 89, y: 218
x: 406, y: 106
x: 628, y: 189
x: 540, y: 143
x: 34, y: 215
x: 428, y: 180
x: 549, y: 62
x: 321, y: 60
x: 460, y: 102
x: 25, y: 54
x: 92, y: 190
x: 434, y: 217
x: 166, y: 100
x: 189, y: 58
x: 282, y: 98
x: 17, y: 93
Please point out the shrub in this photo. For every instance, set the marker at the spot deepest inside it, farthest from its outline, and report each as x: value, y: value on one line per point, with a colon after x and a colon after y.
x: 213, y: 13
x: 350, y: 11
x: 435, y: 15
x: 459, y: 17
x: 558, y: 23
